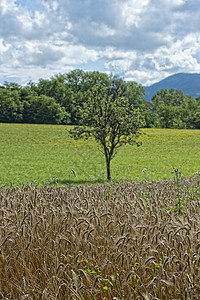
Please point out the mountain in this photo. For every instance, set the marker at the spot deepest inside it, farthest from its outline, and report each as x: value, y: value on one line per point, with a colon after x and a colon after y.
x: 188, y: 83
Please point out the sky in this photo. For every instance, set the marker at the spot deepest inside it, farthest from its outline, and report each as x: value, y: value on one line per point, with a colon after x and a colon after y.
x: 139, y: 40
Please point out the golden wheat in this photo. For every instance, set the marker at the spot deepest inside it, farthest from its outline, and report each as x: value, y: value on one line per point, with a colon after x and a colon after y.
x: 117, y: 241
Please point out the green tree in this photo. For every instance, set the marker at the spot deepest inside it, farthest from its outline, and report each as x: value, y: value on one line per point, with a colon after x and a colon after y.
x: 81, y: 83
x: 12, y: 85
x: 135, y: 93
x: 11, y: 107
x: 57, y: 89
x: 117, y: 84
x: 110, y: 121
x: 70, y: 90
x: 197, y: 114
x: 173, y: 109
x: 43, y: 110
x: 166, y: 106
x: 190, y: 110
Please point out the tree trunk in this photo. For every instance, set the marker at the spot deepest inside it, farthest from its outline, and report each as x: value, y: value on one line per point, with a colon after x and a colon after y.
x: 108, y: 159
x: 108, y: 169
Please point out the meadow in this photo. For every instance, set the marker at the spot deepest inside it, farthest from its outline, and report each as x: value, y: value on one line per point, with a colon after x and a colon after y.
x: 46, y: 154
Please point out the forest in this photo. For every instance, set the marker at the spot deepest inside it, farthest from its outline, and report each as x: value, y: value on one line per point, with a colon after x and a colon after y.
x: 59, y: 100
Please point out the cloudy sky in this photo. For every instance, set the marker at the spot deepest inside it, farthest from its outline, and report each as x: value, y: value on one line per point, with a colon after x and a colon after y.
x: 140, y: 40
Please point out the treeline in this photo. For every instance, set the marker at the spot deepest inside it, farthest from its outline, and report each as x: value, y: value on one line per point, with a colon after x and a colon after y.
x: 59, y: 101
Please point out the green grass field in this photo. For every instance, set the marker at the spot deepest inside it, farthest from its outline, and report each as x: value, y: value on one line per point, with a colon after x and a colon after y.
x: 45, y: 154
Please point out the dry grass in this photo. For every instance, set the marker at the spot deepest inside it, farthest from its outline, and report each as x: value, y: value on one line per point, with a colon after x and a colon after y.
x: 100, y: 242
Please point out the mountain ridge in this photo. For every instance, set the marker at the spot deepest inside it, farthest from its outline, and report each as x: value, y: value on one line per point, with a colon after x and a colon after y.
x: 188, y: 83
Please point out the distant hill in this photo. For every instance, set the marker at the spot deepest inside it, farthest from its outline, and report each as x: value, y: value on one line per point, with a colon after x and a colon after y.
x: 188, y: 83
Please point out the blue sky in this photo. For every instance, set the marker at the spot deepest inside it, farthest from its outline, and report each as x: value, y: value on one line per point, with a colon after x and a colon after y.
x: 143, y: 41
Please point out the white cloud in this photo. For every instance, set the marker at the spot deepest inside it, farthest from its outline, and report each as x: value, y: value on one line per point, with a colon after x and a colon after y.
x: 143, y: 40
x: 174, y: 3
x: 132, y: 11
x: 6, y: 6
x: 103, y: 30
x: 112, y: 53
x: 145, y: 76
x: 3, y: 47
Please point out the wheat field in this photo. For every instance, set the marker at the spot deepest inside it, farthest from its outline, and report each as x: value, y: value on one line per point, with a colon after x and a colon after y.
x: 110, y: 241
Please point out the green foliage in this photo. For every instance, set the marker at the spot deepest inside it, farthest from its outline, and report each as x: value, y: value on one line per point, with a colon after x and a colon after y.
x: 81, y: 84
x: 11, y: 107
x: 12, y: 86
x: 169, y: 108
x: 70, y: 90
x: 191, y: 113
x: 172, y: 109
x: 43, y: 109
x: 135, y: 92
x: 110, y: 120
x: 95, y: 271
x: 56, y: 89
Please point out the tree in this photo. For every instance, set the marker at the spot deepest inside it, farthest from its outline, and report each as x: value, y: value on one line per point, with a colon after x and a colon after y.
x: 166, y: 105
x: 56, y: 89
x: 110, y: 121
x: 10, y: 106
x: 70, y: 90
x: 12, y: 85
x: 78, y: 80
x: 135, y: 93
x: 173, y: 109
x: 81, y: 83
x: 43, y: 110
x: 191, y: 113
